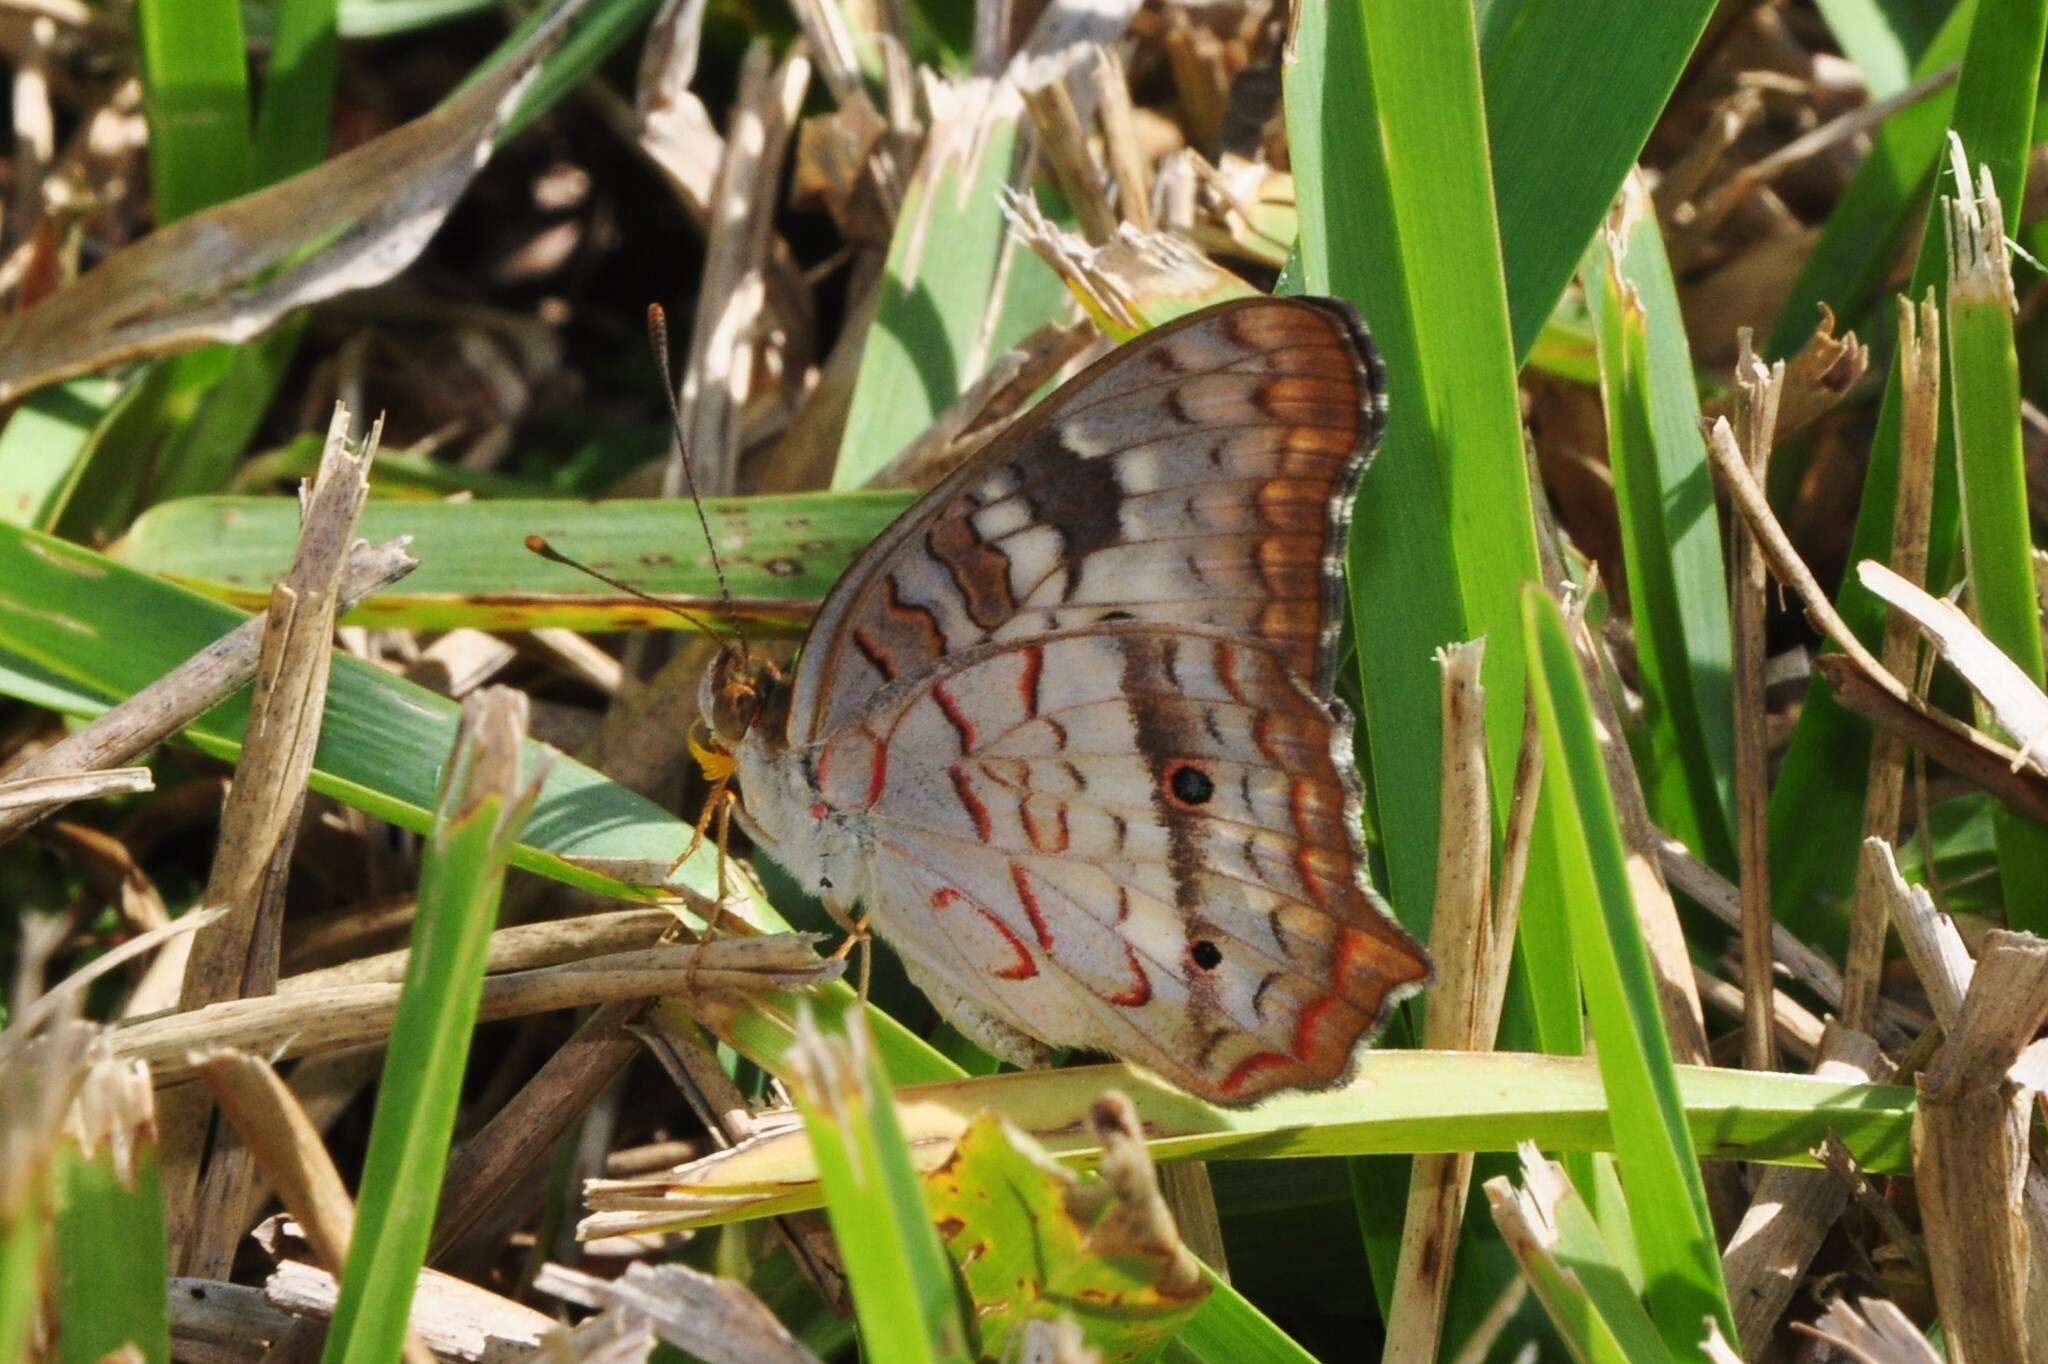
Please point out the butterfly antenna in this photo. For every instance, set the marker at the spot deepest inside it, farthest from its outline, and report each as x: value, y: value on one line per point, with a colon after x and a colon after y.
x: 539, y: 545
x: 657, y: 334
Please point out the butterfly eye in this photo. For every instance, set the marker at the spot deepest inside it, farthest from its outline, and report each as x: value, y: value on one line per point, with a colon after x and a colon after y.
x: 818, y: 810
x: 1189, y: 784
x: 1205, y: 954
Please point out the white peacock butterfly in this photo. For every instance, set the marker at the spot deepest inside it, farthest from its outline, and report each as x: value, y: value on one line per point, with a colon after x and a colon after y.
x: 1066, y: 731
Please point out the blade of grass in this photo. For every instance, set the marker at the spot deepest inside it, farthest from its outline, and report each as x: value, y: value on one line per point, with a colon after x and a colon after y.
x: 111, y: 1256
x: 1653, y: 1145
x: 298, y: 89
x: 903, y: 1287
x: 1416, y: 1101
x: 196, y: 91
x: 477, y: 820
x: 1396, y: 205
x: 1670, y: 537
x: 1571, y: 94
x: 1817, y: 802
x: 945, y: 272
x: 1858, y: 245
x: 1569, y: 1265
x: 46, y: 445
x: 475, y: 568
x: 1991, y: 474
x: 1881, y: 36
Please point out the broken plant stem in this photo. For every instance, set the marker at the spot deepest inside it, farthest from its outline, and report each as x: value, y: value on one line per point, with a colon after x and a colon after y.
x: 1884, y: 785
x: 1758, y: 389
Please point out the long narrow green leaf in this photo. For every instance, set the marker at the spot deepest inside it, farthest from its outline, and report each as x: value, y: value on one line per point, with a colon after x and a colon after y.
x: 23, y: 1243
x: 1858, y: 246
x: 1653, y: 1145
x: 475, y: 568
x: 1572, y: 91
x: 298, y: 89
x: 382, y: 743
x: 195, y: 84
x: 1669, y: 534
x: 462, y: 875
x: 1576, y: 1275
x: 112, y: 1258
x: 1401, y: 1101
x: 45, y: 446
x: 1396, y: 203
x: 902, y: 1284
x: 943, y: 276
x: 1997, y: 537
x: 1817, y: 802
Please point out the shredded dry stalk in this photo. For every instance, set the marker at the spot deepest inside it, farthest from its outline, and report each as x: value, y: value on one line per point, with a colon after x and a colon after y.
x: 1465, y: 951
x: 238, y: 957
x: 1758, y: 390
x: 1919, y: 430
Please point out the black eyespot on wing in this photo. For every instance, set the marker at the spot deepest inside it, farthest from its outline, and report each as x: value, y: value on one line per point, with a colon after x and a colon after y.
x: 1205, y: 954
x: 1189, y: 784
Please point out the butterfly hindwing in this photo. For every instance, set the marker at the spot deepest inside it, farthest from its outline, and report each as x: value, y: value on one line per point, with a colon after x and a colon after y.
x: 1130, y: 838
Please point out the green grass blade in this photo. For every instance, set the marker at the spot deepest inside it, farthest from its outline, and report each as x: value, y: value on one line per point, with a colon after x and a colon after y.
x: 1396, y: 204
x: 475, y: 568
x: 23, y: 1242
x: 1881, y: 36
x: 1816, y: 805
x: 904, y: 1292
x: 1572, y: 91
x: 1847, y: 266
x: 196, y: 92
x: 462, y: 875
x: 1670, y: 537
x: 1653, y: 1145
x: 1401, y: 1102
x: 1578, y: 1278
x: 383, y: 741
x: 1991, y: 473
x: 298, y: 89
x: 940, y: 281
x: 46, y: 444
x: 112, y: 1259
x: 1404, y: 589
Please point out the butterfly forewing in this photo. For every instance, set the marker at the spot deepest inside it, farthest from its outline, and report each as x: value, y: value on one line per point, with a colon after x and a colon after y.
x: 1074, y: 711
x: 1201, y: 475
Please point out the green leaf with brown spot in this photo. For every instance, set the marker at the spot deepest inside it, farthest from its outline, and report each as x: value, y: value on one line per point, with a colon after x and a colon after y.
x: 1032, y: 1239
x: 781, y: 554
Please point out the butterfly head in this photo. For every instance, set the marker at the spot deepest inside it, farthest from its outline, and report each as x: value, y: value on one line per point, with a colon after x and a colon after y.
x: 742, y: 692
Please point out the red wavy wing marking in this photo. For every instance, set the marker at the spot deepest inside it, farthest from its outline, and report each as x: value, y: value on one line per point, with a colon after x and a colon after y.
x: 1310, y: 1023
x: 1047, y: 840
x: 976, y: 811
x: 1027, y: 683
x: 1226, y: 671
x: 1304, y: 849
x: 875, y: 654
x: 1246, y: 1070
x: 956, y: 717
x: 878, y: 773
x: 1140, y: 991
x: 1039, y: 927
x: 1027, y: 965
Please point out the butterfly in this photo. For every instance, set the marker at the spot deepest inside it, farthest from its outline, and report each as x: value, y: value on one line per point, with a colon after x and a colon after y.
x: 1065, y: 730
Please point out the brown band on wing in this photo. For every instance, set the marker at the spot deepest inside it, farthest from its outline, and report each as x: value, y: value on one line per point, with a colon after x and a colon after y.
x: 980, y: 571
